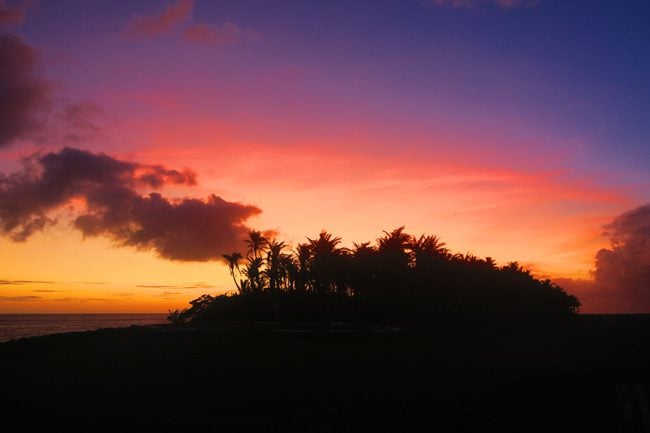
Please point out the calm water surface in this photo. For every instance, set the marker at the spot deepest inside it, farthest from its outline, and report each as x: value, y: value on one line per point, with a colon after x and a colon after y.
x: 13, y: 326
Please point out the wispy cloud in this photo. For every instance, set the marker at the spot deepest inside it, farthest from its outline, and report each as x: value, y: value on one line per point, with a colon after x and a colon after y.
x: 475, y: 4
x: 19, y: 298
x: 81, y: 121
x: 72, y: 299
x: 226, y: 34
x: 199, y: 285
x: 50, y: 291
x: 12, y: 14
x: 20, y: 282
x: 176, y: 16
x: 162, y: 22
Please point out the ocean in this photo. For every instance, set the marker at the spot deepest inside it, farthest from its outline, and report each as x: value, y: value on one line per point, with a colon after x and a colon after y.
x: 14, y: 326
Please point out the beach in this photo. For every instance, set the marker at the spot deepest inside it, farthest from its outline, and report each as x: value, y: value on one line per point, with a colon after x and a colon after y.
x: 581, y: 374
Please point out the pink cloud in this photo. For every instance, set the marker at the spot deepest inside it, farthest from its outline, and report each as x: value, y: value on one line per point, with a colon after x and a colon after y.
x: 226, y: 34
x: 162, y: 22
x: 473, y: 4
x: 13, y: 14
x: 209, y: 34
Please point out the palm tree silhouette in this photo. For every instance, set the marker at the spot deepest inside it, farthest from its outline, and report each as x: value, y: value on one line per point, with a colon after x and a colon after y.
x: 275, y: 264
x: 303, y: 267
x: 256, y: 243
x: 398, y: 278
x: 324, y: 254
x: 233, y: 264
x: 426, y: 249
x: 253, y: 271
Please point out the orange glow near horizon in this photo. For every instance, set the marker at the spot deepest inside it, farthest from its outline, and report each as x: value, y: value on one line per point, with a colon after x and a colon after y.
x: 505, y: 214
x: 402, y: 115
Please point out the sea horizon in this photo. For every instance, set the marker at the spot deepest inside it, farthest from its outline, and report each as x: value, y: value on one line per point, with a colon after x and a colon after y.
x: 15, y: 326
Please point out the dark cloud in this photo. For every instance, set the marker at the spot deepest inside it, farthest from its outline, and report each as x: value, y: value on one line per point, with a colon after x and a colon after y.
x: 161, y: 22
x: 23, y: 94
x: 621, y: 272
x: 623, y: 269
x: 187, y: 229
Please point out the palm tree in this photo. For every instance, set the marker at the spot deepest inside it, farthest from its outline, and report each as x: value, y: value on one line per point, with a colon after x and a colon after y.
x: 253, y: 272
x: 364, y: 268
x: 233, y: 264
x: 324, y: 253
x: 303, y: 261
x: 256, y: 243
x: 490, y: 263
x: 393, y: 247
x: 426, y: 249
x: 275, y: 264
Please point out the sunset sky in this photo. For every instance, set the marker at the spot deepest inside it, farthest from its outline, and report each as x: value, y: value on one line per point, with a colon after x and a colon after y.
x: 516, y: 129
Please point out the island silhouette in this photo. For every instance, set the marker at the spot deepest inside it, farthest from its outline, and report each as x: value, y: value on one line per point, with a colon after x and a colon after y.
x: 400, y: 278
x: 397, y: 335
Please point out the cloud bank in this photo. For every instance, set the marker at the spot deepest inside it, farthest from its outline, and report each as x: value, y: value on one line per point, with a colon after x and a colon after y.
x: 624, y: 268
x: 23, y: 94
x: 187, y: 229
x: 621, y: 272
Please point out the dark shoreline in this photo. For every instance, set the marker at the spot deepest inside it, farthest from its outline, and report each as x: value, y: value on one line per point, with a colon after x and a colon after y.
x: 573, y: 375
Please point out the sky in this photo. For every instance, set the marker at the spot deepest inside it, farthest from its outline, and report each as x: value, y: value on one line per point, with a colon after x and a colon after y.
x: 140, y: 141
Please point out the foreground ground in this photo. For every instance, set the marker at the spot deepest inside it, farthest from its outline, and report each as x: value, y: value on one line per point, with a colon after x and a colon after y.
x: 588, y: 374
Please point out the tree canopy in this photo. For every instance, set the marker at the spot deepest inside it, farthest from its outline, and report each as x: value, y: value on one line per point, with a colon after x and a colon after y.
x: 399, y: 278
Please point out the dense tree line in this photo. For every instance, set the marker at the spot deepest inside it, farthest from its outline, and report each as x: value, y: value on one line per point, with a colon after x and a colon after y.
x: 399, y: 278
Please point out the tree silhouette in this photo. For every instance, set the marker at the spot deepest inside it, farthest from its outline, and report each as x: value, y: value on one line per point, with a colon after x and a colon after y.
x: 233, y: 264
x: 325, y: 261
x: 256, y: 243
x: 276, y: 265
x: 400, y: 278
